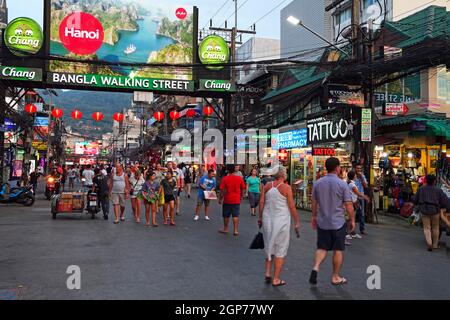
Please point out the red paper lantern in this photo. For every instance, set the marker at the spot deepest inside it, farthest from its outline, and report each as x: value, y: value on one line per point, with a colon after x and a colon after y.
x: 77, y: 115
x: 207, y: 111
x: 118, y: 117
x: 30, y: 108
x: 159, y: 116
x: 174, y: 115
x: 190, y: 113
x: 57, y: 113
x: 97, y: 116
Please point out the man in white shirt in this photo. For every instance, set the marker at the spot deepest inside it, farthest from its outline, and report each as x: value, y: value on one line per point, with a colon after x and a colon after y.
x: 73, y: 174
x: 88, y: 175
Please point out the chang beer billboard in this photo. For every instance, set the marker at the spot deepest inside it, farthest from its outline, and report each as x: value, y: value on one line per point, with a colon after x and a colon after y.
x: 214, y: 50
x: 217, y: 85
x: 23, y: 37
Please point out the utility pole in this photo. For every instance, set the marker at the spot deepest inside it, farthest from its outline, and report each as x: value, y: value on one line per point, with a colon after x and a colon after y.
x: 234, y: 33
x: 356, y: 34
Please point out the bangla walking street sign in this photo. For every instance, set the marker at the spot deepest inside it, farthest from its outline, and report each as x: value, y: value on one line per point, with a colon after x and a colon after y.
x: 217, y: 85
x: 120, y: 82
x: 20, y: 73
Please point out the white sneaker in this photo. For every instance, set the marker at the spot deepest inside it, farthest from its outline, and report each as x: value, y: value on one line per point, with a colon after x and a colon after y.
x: 348, y: 237
x: 196, y: 218
x: 207, y: 219
x: 357, y: 236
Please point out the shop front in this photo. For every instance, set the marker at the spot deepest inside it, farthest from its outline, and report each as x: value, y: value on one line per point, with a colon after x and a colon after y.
x: 404, y: 155
x: 304, y: 153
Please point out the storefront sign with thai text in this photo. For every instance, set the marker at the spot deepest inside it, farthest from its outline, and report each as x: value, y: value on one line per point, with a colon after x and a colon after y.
x: 366, y: 125
x: 291, y: 140
x: 327, y: 130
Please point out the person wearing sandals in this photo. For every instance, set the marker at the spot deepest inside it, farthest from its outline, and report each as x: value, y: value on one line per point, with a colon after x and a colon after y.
x: 277, y: 207
x: 330, y: 199
x: 169, y: 185
x: 150, y: 194
x: 119, y: 190
x: 136, y: 183
x: 253, y: 190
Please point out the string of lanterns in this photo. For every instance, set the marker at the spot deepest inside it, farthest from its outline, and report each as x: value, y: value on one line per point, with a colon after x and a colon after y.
x: 119, y: 117
x: 76, y: 114
x: 190, y: 113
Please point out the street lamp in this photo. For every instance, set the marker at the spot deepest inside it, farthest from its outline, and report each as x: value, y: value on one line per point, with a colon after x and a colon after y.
x: 293, y: 20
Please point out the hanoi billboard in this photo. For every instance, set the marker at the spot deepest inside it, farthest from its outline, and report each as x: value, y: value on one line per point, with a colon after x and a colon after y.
x: 121, y: 32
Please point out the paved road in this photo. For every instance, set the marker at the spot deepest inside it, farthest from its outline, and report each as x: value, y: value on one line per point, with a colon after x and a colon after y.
x: 192, y: 261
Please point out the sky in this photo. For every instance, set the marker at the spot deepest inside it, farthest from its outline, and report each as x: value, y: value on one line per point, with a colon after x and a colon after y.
x: 249, y: 13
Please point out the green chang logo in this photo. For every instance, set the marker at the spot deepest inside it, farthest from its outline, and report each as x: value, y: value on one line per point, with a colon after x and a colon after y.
x: 23, y: 36
x: 214, y: 50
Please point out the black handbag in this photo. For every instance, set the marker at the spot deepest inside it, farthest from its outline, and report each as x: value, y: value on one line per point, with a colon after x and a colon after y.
x: 258, y: 242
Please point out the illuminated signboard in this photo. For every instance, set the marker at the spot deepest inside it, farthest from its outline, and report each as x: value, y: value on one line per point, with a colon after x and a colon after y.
x: 122, y: 31
x: 87, y: 148
x: 324, y: 152
x: 40, y: 133
x: 23, y: 36
x: 214, y: 50
x: 291, y: 140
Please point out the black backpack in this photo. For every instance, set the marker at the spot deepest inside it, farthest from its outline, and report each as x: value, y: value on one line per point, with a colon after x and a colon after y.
x: 102, y: 185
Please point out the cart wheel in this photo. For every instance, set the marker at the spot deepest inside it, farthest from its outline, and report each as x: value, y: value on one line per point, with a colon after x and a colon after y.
x: 54, y: 215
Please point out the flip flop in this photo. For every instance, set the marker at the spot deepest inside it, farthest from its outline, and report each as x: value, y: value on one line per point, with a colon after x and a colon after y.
x: 236, y: 234
x: 268, y: 279
x: 223, y: 232
x: 155, y: 225
x: 116, y: 222
x: 313, y: 277
x: 341, y: 283
x: 281, y: 284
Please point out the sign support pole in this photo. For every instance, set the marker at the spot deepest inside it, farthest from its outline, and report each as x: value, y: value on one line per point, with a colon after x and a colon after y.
x: 2, y: 132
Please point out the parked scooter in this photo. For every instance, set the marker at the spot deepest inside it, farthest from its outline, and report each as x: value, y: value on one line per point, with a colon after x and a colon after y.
x: 52, y: 187
x: 20, y: 195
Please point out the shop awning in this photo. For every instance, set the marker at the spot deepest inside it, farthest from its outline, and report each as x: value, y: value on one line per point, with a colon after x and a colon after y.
x: 437, y: 124
x: 440, y: 128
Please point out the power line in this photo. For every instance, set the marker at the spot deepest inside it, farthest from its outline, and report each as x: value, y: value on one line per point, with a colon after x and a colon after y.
x: 270, y: 11
x: 423, y: 5
x: 217, y: 12
x: 234, y: 12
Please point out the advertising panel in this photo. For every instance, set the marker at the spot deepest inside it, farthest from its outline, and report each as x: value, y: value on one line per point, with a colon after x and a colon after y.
x: 40, y: 133
x: 122, y: 31
x: 87, y: 148
x: 22, y: 40
x: 291, y: 140
x: 23, y: 37
x: 329, y: 128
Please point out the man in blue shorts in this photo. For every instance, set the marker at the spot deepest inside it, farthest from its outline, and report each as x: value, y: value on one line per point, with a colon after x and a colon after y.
x: 206, y: 183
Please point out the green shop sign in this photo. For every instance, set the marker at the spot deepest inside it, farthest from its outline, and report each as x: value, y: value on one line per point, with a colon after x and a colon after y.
x: 120, y: 82
x: 214, y: 50
x: 20, y: 74
x: 217, y: 85
x: 23, y: 36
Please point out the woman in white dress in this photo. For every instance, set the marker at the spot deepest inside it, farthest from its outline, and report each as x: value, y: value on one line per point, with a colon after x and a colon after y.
x: 277, y: 206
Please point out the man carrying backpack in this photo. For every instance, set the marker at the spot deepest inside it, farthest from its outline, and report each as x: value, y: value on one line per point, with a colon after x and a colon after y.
x: 432, y: 204
x: 101, y: 187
